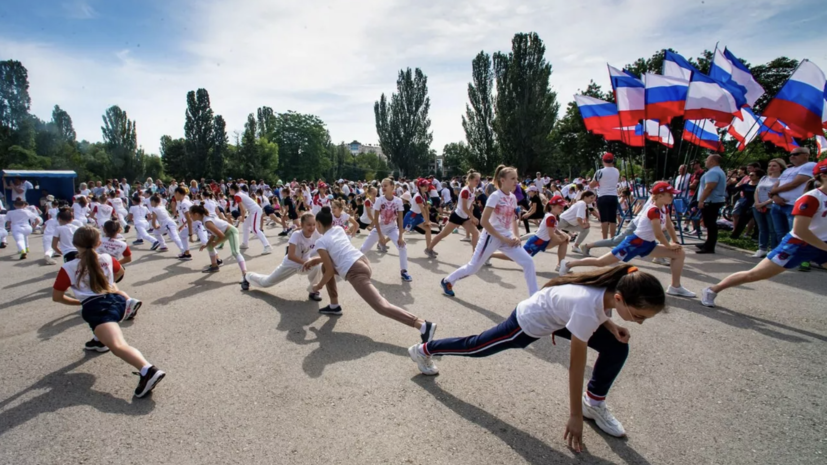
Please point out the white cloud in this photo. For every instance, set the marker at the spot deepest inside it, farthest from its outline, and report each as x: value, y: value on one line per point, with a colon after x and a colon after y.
x: 79, y: 9
x: 334, y: 59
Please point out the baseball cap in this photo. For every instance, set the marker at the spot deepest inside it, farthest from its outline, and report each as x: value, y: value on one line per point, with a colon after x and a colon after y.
x: 423, y: 182
x: 608, y: 157
x: 820, y: 168
x: 557, y: 200
x: 661, y: 187
x: 406, y: 196
x: 532, y: 188
x: 322, y: 185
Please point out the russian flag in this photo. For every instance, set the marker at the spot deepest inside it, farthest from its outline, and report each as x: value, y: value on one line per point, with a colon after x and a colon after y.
x: 630, y: 135
x: 824, y: 111
x: 800, y: 103
x: 745, y: 128
x: 696, y: 132
x: 727, y: 69
x: 777, y: 133
x: 665, y: 97
x: 709, y: 99
x: 597, y: 114
x: 821, y: 144
x: 677, y: 66
x: 659, y: 133
x: 629, y: 95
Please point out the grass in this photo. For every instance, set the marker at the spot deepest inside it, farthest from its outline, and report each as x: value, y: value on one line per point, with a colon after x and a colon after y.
x: 725, y: 237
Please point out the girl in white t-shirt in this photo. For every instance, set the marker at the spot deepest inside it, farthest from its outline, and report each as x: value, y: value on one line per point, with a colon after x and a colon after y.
x: 220, y: 232
x: 301, y: 258
x: 111, y: 245
x: 419, y: 216
x: 163, y: 223
x: 137, y: 215
x: 576, y: 219
x: 339, y: 257
x: 499, y: 233
x: 463, y: 214
x: 388, y: 214
x: 577, y: 308
x: 649, y: 226
x: 92, y: 279
x: 21, y: 219
x: 342, y: 219
x: 80, y: 209
x: 120, y: 212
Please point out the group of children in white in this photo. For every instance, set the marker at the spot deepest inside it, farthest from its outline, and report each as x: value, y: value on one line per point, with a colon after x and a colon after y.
x: 573, y: 306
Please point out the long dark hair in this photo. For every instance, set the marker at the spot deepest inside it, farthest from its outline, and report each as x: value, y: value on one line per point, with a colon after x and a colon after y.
x: 639, y: 289
x: 325, y: 217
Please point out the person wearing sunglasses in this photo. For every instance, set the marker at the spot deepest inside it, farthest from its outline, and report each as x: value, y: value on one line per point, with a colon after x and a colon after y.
x: 791, y: 185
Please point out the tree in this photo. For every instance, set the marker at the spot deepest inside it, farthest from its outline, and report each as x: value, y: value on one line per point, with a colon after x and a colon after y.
x: 772, y: 76
x: 525, y: 104
x: 121, y: 141
x: 575, y: 149
x: 198, y: 133
x: 457, y: 159
x: 63, y: 124
x: 303, y: 144
x: 174, y: 156
x: 216, y: 163
x: 14, y: 94
x: 478, y: 121
x: 403, y: 123
x: 265, y: 122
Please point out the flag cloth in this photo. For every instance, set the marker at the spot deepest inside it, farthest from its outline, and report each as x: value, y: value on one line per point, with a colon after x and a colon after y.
x: 745, y: 128
x: 777, y: 133
x: 597, y: 114
x: 665, y: 97
x: 800, y: 103
x: 677, y: 66
x: 709, y: 99
x: 824, y: 111
x: 821, y: 143
x: 630, y: 135
x: 702, y: 133
x: 630, y: 96
x: 728, y: 69
x: 659, y: 133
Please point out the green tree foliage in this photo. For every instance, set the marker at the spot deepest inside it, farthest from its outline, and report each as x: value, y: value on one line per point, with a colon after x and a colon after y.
x: 121, y: 141
x: 457, y: 159
x: 575, y: 149
x: 525, y: 104
x: 63, y: 123
x: 303, y: 143
x: 403, y: 124
x: 478, y: 121
x: 198, y: 134
x: 217, y: 159
x: 14, y: 94
x: 265, y: 122
x: 173, y: 156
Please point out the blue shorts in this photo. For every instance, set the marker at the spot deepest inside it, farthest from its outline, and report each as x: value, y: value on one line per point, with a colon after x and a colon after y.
x: 535, y: 245
x: 792, y: 252
x: 107, y: 308
x: 412, y: 220
x: 632, y: 247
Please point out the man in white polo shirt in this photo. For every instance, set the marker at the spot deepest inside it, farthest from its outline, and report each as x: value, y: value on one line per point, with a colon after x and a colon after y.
x: 791, y: 185
x: 605, y: 182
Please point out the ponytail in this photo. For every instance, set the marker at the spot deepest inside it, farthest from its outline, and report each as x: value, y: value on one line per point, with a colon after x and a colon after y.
x: 325, y: 217
x: 85, y: 239
x: 111, y: 228
x: 472, y: 174
x: 639, y: 289
x: 501, y: 172
x: 199, y: 210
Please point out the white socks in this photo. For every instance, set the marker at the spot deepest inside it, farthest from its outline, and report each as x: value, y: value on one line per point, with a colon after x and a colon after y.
x: 334, y: 306
x: 145, y: 369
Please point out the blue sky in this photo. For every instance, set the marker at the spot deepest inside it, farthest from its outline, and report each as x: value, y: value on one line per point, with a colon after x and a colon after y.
x: 334, y: 58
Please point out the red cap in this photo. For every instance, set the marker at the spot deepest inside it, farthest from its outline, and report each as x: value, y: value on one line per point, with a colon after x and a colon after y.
x: 322, y: 185
x: 608, y: 157
x: 423, y: 182
x: 557, y: 200
x: 820, y: 168
x: 661, y: 187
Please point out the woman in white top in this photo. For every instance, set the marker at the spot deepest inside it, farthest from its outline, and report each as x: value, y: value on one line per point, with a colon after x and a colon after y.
x: 220, y: 232
x: 767, y: 238
x: 388, y: 217
x: 339, y: 257
x: 21, y: 226
x: 577, y: 308
x: 463, y: 214
x: 499, y: 234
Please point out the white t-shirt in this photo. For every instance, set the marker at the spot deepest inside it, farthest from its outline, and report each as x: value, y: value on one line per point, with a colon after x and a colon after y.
x: 183, y: 207
x: 368, y: 206
x: 789, y: 175
x: 446, y: 195
x: 572, y: 306
x: 305, y: 247
x: 20, y: 217
x: 607, y: 178
x: 161, y: 214
x: 505, y: 211
x: 117, y: 204
x: 103, y: 212
x: 25, y: 186
x: 65, y: 233
x: 211, y: 206
x: 139, y: 213
x: 69, y: 274
x: 388, y: 212
x: 219, y: 223
x: 643, y: 222
x: 578, y: 210
x: 341, y: 251
x: 764, y: 187
x: 49, y: 227
x: 416, y: 205
x: 465, y: 199
x: 342, y: 221
x: 114, y: 247
x: 814, y: 205
x: 345, y: 190
x: 248, y: 203
x: 548, y: 226
x: 681, y: 182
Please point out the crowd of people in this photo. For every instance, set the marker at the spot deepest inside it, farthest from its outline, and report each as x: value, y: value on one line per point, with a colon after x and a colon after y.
x: 785, y: 206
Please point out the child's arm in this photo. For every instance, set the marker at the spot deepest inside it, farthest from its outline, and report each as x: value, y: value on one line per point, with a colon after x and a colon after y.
x: 291, y: 254
x: 577, y: 368
x: 55, y: 245
x: 329, y: 271
x: 61, y: 298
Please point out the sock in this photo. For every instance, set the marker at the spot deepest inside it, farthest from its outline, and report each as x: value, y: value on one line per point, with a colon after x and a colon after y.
x: 593, y: 402
x: 145, y: 369
x: 421, y: 349
x: 423, y: 328
x: 334, y: 306
x: 95, y: 338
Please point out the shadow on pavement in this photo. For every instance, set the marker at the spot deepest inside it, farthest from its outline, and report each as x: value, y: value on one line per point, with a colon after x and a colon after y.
x: 194, y: 288
x: 66, y: 390
x: 397, y: 294
x: 37, y: 295
x: 533, y: 450
x: 51, y: 274
x: 59, y: 325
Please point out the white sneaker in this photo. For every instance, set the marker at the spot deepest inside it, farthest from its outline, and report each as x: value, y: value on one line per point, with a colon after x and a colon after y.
x: 425, y: 364
x: 50, y: 261
x: 244, y: 246
x: 564, y: 268
x: 576, y: 249
x: 466, y: 239
x: 585, y: 250
x: 661, y: 261
x: 761, y: 253
x: 604, y: 419
x: 488, y: 263
x: 132, y: 306
x: 680, y: 291
x: 267, y: 250
x: 708, y: 298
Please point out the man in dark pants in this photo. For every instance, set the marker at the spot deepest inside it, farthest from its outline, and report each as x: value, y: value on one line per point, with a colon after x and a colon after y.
x: 711, y: 198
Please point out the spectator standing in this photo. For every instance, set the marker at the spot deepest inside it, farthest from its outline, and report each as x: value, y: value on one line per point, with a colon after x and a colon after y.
x: 790, y: 187
x: 767, y: 238
x: 711, y: 198
x: 605, y: 182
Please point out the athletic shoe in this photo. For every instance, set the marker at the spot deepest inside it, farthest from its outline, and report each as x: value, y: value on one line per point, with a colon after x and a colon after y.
x: 126, y: 229
x: 185, y: 256
x: 331, y: 311
x: 163, y: 249
x: 50, y: 261
x: 661, y: 261
x: 488, y: 263
x: 428, y: 335
x: 381, y: 248
x: 584, y: 249
x: 805, y: 267
x: 148, y: 381
x: 315, y: 296
x: 564, y: 267
x: 680, y: 291
x: 219, y: 261
x: 244, y: 246
x: 95, y: 346
x: 3, y: 245
x: 267, y: 250
x: 245, y: 285
x: 211, y: 269
x: 138, y: 242
x: 604, y: 419
x: 283, y: 233
x: 447, y: 288
x: 760, y: 253
x: 424, y: 363
x: 464, y: 239
x: 430, y: 253
x: 132, y: 306
x: 576, y: 249
x: 708, y: 298
x: 406, y: 277
x: 155, y: 246
x: 23, y: 255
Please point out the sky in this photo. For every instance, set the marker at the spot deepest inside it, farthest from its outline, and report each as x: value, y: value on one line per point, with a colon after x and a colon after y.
x: 335, y: 58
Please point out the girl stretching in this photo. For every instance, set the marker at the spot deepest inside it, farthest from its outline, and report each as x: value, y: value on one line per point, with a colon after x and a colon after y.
x: 548, y: 234
x: 644, y: 241
x: 366, y: 220
x: 113, y: 246
x: 342, y: 219
x: 137, y: 214
x: 500, y: 233
x: 577, y: 308
x: 220, y: 232
x: 21, y: 226
x: 807, y: 242
x: 119, y: 210
x: 387, y: 221
x: 102, y: 211
x: 163, y: 223
x: 92, y: 280
x: 339, y: 257
x: 419, y: 215
x: 251, y: 213
x: 301, y: 247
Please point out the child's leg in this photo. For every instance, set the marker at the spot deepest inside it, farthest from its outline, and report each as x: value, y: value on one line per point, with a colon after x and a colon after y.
x: 121, y: 220
x: 443, y: 234
x: 489, y: 245
x: 522, y: 258
x: 47, y: 246
x: 314, y: 275
x: 159, y: 237
x: 245, y: 230
x: 172, y: 232
x: 231, y: 237
x: 403, y: 251
x: 20, y: 233
x: 612, y: 356
x: 604, y: 260
x: 111, y: 336
x: 766, y: 269
x: 506, y: 335
x: 359, y: 277
x: 281, y: 273
x: 676, y: 257
x: 184, y: 237
x: 372, y: 239
x: 257, y: 230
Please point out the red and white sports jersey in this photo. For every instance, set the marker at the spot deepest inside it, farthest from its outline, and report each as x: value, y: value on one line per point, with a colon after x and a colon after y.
x: 368, y: 206
x: 103, y: 212
x: 548, y: 226
x: 116, y: 203
x: 416, y: 205
x: 114, y: 247
x: 319, y: 201
x: 247, y: 202
x: 644, y: 222
x: 69, y: 276
x: 813, y: 204
x: 341, y: 221
x: 466, y: 198
x: 388, y: 210
x: 505, y: 211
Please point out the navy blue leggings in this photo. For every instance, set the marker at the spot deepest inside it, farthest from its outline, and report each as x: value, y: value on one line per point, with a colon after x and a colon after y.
x: 612, y: 353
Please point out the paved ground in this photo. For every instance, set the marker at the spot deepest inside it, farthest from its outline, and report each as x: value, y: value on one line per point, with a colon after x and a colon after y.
x: 261, y: 377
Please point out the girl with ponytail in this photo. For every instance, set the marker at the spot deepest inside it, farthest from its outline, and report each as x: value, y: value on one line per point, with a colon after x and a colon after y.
x: 578, y: 308
x: 220, y: 232
x: 91, y: 277
x: 463, y: 214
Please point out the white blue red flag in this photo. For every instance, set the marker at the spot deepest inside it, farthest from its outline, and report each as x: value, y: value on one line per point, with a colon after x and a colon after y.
x: 677, y: 66
x: 821, y: 143
x: 598, y: 115
x: 727, y: 69
x: 778, y: 133
x: 654, y: 131
x: 745, y: 128
x: 629, y: 95
x: 665, y: 97
x: 708, y: 98
x: 629, y: 135
x: 702, y: 133
x: 800, y: 103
